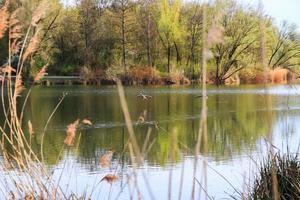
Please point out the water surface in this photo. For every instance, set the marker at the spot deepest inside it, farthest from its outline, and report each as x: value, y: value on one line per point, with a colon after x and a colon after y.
x: 240, y: 119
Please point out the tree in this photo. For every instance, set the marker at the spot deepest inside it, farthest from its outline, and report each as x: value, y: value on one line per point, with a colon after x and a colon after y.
x: 146, y: 33
x: 89, y: 14
x: 286, y: 48
x: 169, y: 25
x: 240, y: 28
x: 193, y: 13
x: 123, y: 12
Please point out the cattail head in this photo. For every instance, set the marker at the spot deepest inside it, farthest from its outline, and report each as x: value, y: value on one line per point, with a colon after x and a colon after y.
x: 41, y: 73
x: 71, y: 130
x: 30, y: 128
x: 4, y: 15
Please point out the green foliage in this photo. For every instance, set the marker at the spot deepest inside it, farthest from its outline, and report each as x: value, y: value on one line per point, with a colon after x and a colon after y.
x: 169, y: 26
x: 169, y: 20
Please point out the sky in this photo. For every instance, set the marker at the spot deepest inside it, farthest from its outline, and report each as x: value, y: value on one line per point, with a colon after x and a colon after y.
x: 280, y: 10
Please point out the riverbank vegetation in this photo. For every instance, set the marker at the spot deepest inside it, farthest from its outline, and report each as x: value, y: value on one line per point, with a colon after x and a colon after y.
x: 286, y: 170
x: 157, y: 42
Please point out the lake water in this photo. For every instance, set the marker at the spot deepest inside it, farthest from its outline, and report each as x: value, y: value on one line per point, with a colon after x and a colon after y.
x: 240, y: 119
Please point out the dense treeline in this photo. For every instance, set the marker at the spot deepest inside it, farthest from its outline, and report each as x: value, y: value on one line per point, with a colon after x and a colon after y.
x: 108, y: 38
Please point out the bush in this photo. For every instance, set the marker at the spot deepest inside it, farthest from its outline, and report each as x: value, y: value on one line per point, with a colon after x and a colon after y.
x: 143, y: 75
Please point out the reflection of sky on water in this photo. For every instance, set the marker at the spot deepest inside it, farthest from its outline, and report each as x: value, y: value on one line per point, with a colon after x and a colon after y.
x: 79, y: 179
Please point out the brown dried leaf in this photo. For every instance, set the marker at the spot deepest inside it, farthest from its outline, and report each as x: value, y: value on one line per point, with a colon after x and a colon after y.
x: 110, y: 178
x: 30, y: 128
x: 87, y: 122
x: 41, y: 73
x: 71, y: 130
x: 105, y: 159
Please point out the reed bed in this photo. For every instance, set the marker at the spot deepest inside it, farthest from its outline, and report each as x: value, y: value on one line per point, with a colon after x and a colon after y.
x: 286, y: 169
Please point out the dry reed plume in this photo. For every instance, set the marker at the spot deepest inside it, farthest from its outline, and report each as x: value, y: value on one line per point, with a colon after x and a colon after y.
x: 33, y: 45
x: 18, y: 85
x: 15, y: 33
x: 71, y: 132
x: 39, y: 13
x: 105, y: 160
x: 37, y: 183
x: 30, y: 128
x: 4, y: 15
x: 41, y: 73
x: 215, y: 34
x: 8, y: 69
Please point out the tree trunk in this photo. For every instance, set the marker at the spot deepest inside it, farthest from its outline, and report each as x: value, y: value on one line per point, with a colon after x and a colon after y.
x: 123, y: 43
x: 178, y: 58
x: 148, y: 42
x: 169, y: 57
x: 192, y: 65
x: 217, y: 78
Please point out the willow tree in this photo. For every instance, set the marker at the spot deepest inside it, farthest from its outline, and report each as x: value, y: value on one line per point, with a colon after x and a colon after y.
x: 169, y: 26
x: 285, y: 48
x: 240, y: 32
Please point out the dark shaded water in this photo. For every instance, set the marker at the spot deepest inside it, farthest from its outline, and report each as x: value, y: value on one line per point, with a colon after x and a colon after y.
x: 239, y: 120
